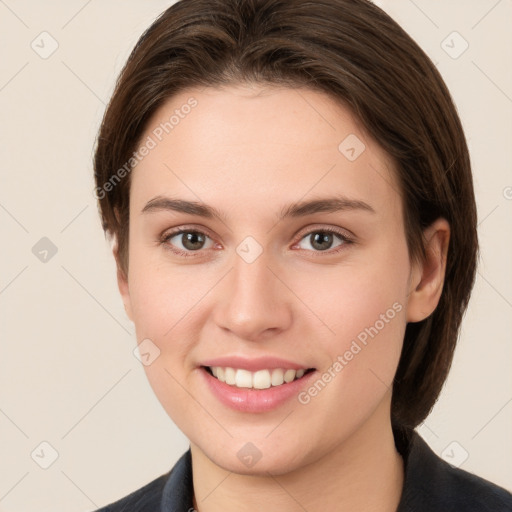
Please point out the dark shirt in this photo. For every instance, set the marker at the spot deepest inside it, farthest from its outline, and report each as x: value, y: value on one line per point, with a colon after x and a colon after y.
x: 430, y: 485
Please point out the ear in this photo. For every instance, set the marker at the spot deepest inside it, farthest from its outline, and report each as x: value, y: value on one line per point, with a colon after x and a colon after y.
x: 122, y: 284
x: 427, y: 277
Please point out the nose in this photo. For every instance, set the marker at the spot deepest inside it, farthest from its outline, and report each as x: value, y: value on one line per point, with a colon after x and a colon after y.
x: 253, y: 304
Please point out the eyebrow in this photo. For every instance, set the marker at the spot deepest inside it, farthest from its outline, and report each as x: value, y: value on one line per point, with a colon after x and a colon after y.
x: 299, y: 209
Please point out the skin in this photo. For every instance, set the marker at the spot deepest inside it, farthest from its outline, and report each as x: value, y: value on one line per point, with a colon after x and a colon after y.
x: 249, y: 151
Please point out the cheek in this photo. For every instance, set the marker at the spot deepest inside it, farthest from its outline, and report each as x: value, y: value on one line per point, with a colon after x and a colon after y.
x: 363, y: 306
x: 361, y: 357
x: 162, y: 297
x: 350, y: 298
x: 169, y: 308
x: 163, y: 303
x: 160, y: 303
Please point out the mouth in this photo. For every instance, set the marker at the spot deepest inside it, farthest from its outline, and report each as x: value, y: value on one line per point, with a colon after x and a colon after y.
x: 260, y: 379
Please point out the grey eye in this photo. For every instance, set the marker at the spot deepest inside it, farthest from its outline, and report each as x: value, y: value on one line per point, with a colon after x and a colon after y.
x: 321, y: 240
x: 189, y: 240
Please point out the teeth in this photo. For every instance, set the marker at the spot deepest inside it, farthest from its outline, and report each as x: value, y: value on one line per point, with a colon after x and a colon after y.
x: 289, y: 375
x: 243, y: 379
x: 262, y: 379
x: 277, y: 377
x: 229, y: 374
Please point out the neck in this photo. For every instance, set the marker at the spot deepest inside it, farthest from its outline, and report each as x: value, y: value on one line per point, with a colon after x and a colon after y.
x: 363, y: 473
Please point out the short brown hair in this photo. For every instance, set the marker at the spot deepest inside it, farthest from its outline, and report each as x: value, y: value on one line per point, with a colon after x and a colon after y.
x: 354, y: 52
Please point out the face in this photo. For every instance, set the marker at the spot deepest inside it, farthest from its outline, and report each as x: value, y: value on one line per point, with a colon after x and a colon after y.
x: 266, y: 249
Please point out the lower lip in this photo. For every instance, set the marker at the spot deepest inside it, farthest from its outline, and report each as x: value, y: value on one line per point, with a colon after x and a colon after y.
x: 255, y: 400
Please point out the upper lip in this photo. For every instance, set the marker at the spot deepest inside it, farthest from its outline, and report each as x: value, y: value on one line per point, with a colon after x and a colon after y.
x: 254, y: 364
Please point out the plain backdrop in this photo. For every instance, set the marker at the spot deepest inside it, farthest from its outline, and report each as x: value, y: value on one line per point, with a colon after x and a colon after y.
x: 73, y: 397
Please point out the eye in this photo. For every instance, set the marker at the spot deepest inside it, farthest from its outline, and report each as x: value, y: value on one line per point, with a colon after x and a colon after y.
x: 186, y: 241
x: 322, y: 240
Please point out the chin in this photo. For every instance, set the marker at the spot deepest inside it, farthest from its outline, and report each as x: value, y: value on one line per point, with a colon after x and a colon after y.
x: 259, y: 458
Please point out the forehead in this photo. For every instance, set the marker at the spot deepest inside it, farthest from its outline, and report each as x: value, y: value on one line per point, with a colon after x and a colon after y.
x: 256, y: 146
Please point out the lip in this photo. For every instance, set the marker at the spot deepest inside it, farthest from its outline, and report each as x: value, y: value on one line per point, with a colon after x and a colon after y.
x: 254, y: 364
x: 254, y: 400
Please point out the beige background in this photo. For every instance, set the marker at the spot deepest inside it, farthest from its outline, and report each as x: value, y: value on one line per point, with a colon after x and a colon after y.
x: 68, y: 376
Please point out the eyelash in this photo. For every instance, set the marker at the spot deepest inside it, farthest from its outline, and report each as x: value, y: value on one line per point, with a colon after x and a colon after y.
x: 345, y: 239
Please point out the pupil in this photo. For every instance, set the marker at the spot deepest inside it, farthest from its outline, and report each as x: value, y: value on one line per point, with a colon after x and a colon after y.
x: 193, y: 241
x: 321, y: 241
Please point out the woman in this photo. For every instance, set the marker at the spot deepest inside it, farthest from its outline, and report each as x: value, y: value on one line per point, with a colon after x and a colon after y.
x: 289, y: 192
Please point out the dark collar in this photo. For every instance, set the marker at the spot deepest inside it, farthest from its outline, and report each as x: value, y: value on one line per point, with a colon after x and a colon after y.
x: 433, y: 485
x: 430, y: 484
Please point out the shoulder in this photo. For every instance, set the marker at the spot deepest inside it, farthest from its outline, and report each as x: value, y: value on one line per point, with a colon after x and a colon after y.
x: 474, y: 493
x: 171, y: 490
x: 431, y: 484
x: 145, y: 499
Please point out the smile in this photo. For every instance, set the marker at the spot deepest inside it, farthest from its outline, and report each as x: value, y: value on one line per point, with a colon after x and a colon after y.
x: 261, y: 379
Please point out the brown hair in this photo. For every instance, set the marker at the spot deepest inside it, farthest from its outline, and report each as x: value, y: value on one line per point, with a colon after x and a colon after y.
x: 354, y: 52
